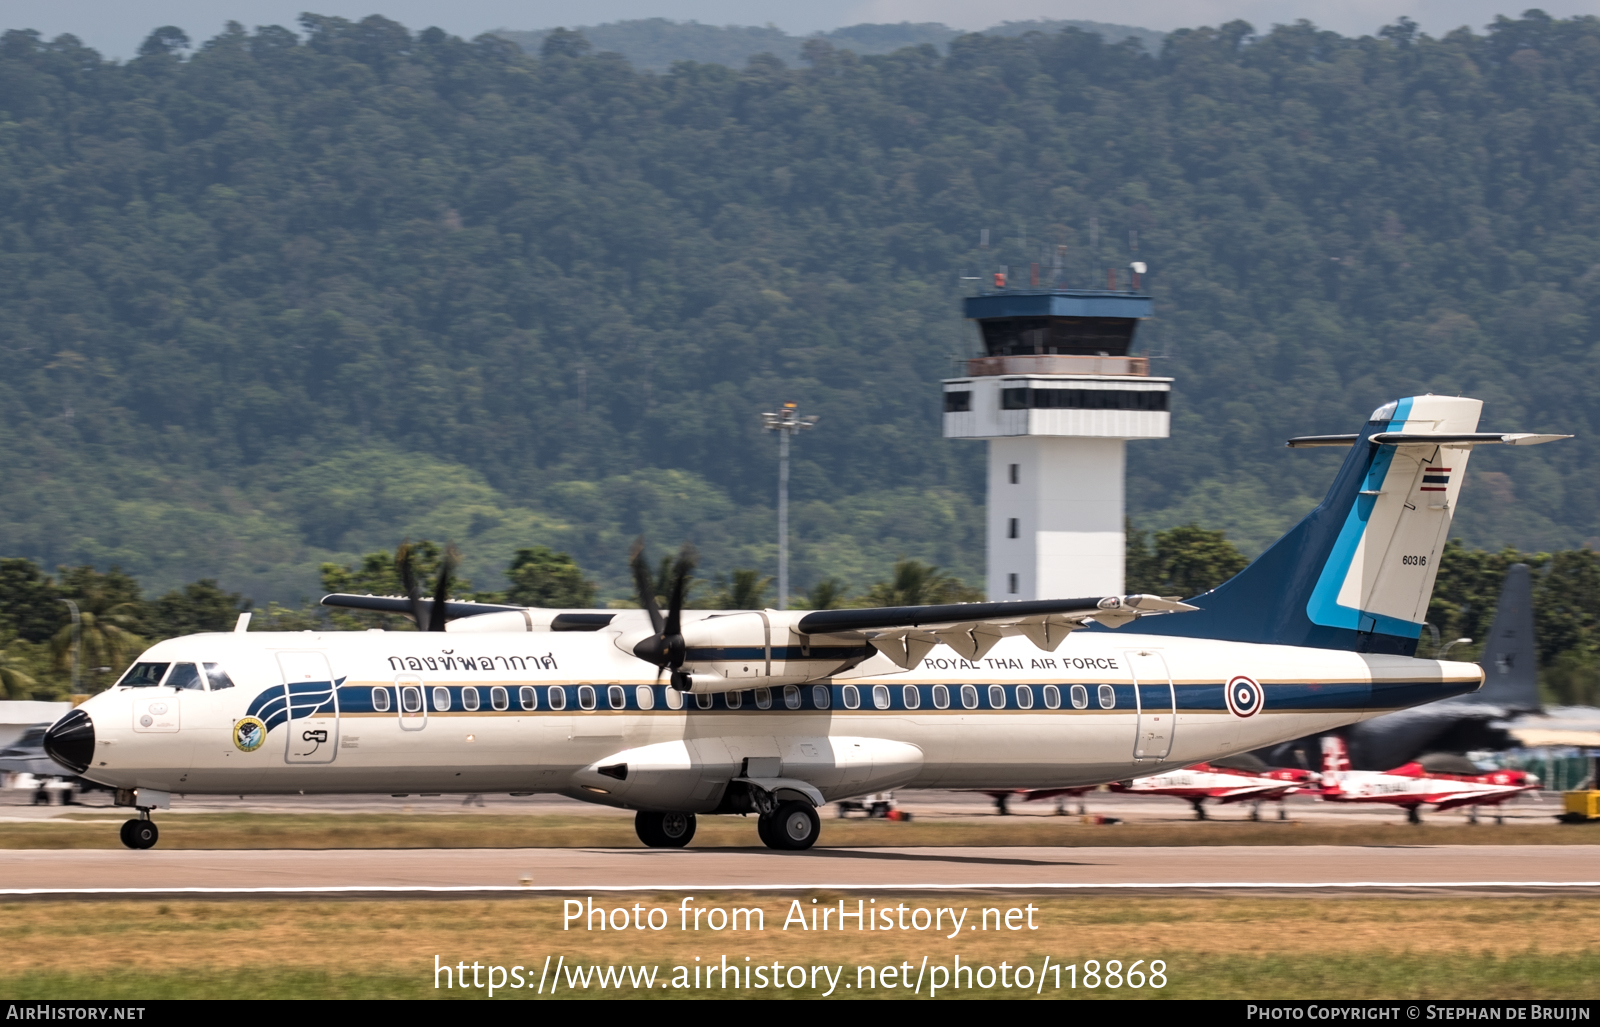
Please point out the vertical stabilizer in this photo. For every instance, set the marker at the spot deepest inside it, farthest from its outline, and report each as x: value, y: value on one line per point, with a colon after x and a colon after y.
x: 1335, y: 760
x: 1358, y: 571
x: 1510, y: 670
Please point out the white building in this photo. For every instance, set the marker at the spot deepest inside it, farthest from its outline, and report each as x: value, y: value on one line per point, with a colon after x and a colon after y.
x: 1057, y: 397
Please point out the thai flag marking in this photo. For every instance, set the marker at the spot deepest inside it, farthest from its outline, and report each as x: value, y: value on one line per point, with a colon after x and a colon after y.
x: 1435, y: 479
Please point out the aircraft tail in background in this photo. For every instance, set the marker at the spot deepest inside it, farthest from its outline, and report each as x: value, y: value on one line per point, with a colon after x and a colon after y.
x: 1358, y: 571
x: 1510, y: 660
x: 1335, y: 760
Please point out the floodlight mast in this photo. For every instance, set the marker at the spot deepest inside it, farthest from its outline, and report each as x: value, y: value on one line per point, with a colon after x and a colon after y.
x: 787, y: 423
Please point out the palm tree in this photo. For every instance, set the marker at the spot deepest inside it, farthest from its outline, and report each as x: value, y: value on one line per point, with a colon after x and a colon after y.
x: 15, y: 683
x: 745, y: 590
x: 108, y: 632
x: 915, y: 583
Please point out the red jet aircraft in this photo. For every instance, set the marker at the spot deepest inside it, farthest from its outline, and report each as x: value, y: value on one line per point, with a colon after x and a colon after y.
x: 1241, y: 778
x: 1438, y: 780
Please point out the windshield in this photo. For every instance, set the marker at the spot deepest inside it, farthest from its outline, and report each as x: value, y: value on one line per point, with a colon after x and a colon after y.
x: 141, y: 675
x: 184, y: 675
x: 217, y: 676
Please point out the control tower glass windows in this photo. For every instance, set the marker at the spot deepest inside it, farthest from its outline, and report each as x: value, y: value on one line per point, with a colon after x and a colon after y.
x: 1073, y: 336
x: 1154, y: 400
x: 958, y: 402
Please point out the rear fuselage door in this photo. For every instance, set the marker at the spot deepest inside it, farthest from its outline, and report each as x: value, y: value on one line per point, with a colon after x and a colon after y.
x: 1152, y: 688
x: 313, y: 704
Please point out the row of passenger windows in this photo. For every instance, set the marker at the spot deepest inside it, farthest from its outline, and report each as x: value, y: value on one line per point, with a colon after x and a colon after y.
x: 850, y: 697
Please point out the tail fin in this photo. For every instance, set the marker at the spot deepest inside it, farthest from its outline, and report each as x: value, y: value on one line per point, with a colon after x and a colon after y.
x: 1510, y: 676
x: 1335, y: 760
x: 1358, y: 571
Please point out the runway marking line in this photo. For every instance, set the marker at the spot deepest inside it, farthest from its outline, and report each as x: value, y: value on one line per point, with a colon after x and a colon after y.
x: 512, y: 889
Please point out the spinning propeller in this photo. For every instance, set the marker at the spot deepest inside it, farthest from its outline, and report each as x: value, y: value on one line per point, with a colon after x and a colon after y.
x: 665, y: 648
x: 429, y: 617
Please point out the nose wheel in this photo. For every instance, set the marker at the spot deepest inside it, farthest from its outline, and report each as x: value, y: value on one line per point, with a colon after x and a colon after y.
x: 140, y: 834
x: 791, y: 826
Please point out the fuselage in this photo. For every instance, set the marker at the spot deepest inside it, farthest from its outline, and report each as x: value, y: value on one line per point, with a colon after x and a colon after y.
x: 413, y: 712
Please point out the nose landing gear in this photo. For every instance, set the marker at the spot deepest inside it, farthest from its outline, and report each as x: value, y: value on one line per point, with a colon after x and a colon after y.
x: 140, y: 833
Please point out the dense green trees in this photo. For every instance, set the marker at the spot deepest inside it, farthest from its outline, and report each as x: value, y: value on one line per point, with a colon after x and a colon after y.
x: 279, y: 300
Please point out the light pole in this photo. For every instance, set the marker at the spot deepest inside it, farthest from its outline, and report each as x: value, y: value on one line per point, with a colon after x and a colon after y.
x: 77, y: 635
x: 787, y: 423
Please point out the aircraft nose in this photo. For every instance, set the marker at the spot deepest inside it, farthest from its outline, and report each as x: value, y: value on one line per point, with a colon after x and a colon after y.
x: 70, y: 741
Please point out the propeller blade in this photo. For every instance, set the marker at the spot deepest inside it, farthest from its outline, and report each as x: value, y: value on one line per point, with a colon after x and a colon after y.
x: 441, y: 592
x: 644, y: 584
x: 679, y: 591
x: 405, y: 565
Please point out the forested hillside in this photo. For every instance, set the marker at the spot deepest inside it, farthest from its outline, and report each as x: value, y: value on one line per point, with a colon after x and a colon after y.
x: 656, y: 43
x: 279, y: 298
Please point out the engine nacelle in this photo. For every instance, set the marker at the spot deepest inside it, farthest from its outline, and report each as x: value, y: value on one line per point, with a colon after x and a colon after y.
x: 730, y: 652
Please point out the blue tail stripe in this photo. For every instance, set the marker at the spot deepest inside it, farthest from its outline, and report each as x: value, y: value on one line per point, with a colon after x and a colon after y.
x: 1289, y: 594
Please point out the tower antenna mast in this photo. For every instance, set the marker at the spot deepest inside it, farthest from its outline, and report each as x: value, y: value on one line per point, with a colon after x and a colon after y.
x: 787, y: 423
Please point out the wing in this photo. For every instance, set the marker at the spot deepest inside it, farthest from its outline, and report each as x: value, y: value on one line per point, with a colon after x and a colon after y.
x: 905, y: 634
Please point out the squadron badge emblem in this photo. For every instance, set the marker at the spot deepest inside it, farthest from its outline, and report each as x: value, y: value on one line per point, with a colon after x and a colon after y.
x: 248, y: 734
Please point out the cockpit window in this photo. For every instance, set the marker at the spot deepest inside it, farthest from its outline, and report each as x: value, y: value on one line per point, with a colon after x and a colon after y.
x: 184, y: 675
x: 217, y: 676
x: 143, y: 675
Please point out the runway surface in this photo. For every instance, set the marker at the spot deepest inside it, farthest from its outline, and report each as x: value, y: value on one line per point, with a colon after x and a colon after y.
x: 432, y: 872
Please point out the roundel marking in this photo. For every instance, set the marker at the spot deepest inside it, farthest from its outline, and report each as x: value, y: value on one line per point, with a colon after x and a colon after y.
x: 1245, y: 697
x: 248, y: 734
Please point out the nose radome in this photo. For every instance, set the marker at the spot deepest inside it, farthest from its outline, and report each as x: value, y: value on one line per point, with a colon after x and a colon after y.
x: 70, y: 741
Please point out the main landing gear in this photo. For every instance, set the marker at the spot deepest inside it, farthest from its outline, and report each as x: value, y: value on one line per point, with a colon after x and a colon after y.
x: 791, y: 825
x: 140, y: 833
x: 664, y: 830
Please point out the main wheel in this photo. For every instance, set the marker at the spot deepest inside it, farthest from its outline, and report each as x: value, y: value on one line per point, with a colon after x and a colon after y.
x: 664, y: 830
x: 792, y: 826
x: 139, y: 834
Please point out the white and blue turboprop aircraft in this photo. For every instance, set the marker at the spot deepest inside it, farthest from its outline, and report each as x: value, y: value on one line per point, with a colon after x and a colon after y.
x: 775, y: 713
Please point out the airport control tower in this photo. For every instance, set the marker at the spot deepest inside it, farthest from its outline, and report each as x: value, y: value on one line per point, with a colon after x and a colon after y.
x: 1057, y: 396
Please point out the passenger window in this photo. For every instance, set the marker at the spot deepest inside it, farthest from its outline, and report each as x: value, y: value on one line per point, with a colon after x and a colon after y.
x: 969, y: 696
x: 528, y: 698
x: 941, y: 697
x: 498, y: 698
x: 645, y: 696
x: 821, y: 696
x: 997, y: 697
x: 557, y: 697
x: 911, y: 697
x: 217, y: 677
x: 1080, y: 697
x: 410, y: 699
x: 441, y: 698
x: 1052, y: 697
x: 380, y: 700
x: 616, y: 698
x: 880, y: 696
x: 586, y: 697
x: 1024, y: 697
x: 733, y: 699
x: 852, y: 697
x: 703, y: 700
x: 469, y: 698
x: 1108, y: 697
x: 763, y: 698
x: 185, y: 676
x: 791, y: 696
x: 674, y: 699
x: 143, y: 675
